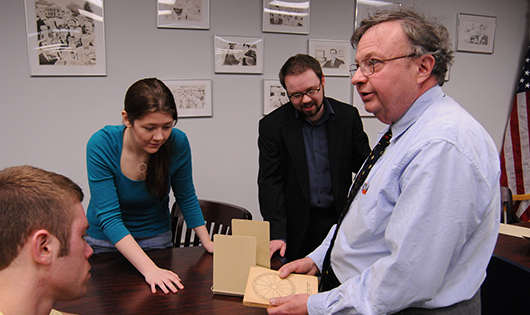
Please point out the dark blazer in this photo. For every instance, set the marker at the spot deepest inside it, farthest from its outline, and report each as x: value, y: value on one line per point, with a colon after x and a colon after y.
x: 283, y: 178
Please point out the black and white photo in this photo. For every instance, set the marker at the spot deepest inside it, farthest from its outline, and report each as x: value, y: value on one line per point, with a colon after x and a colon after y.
x: 274, y: 95
x: 365, y: 8
x: 184, y: 14
x: 476, y: 33
x: 193, y: 98
x: 65, y: 37
x: 238, y: 54
x: 286, y: 16
x: 334, y: 55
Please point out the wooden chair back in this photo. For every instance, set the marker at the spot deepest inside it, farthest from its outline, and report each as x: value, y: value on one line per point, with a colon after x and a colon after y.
x: 508, y: 215
x: 218, y: 217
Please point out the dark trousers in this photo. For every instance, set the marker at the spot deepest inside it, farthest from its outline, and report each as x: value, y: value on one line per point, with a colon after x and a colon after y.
x: 320, y: 221
x: 469, y: 307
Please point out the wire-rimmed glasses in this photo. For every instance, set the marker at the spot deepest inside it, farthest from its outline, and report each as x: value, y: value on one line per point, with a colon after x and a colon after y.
x: 367, y: 66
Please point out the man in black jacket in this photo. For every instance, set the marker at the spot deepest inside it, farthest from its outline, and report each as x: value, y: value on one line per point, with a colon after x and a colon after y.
x: 309, y: 150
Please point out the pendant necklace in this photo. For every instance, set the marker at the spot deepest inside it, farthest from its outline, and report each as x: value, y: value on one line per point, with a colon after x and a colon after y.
x: 141, y: 167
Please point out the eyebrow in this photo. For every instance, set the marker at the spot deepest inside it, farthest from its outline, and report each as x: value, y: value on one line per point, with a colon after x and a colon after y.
x: 369, y: 55
x: 153, y: 124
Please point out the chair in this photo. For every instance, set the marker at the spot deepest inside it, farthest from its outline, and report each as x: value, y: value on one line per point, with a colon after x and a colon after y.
x: 218, y: 217
x: 508, y: 215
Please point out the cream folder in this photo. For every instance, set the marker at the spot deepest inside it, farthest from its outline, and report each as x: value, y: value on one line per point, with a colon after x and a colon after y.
x: 232, y: 258
x: 260, y: 230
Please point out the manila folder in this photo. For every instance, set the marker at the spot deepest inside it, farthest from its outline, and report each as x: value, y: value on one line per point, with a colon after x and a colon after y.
x: 260, y: 230
x: 232, y: 258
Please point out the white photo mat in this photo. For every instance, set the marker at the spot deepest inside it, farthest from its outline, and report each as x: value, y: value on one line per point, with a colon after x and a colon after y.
x: 476, y: 33
x: 66, y: 37
x: 274, y: 95
x: 192, y: 14
x: 334, y: 55
x: 192, y: 97
x: 286, y: 16
x: 238, y: 54
x: 365, y: 8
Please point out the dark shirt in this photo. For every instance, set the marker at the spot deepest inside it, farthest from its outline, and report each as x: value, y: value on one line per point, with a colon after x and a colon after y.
x: 317, y: 153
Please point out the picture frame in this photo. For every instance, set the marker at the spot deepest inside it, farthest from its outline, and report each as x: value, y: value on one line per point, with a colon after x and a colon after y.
x: 193, y: 98
x: 238, y: 54
x: 286, y: 16
x: 475, y: 33
x: 365, y: 8
x: 66, y: 37
x: 334, y: 56
x: 191, y: 14
x: 274, y: 95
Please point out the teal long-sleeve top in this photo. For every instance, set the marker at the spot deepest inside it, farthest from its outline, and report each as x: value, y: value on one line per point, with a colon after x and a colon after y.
x: 120, y: 206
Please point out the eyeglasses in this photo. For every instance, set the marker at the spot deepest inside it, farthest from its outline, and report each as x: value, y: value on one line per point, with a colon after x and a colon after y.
x: 367, y: 66
x: 299, y: 95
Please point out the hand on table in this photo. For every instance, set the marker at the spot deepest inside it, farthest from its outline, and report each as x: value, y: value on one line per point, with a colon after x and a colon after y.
x: 164, y: 279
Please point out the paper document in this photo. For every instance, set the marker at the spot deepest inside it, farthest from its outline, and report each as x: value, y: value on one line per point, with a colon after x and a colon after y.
x: 264, y: 284
x: 514, y: 230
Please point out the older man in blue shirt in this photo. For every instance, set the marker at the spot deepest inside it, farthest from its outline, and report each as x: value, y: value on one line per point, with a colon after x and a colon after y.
x: 418, y: 236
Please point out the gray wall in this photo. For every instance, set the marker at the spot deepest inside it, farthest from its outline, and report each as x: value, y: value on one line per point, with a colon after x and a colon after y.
x: 46, y: 121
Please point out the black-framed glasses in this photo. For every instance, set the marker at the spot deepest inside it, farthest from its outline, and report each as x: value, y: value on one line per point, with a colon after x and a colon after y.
x: 367, y: 66
x: 299, y: 95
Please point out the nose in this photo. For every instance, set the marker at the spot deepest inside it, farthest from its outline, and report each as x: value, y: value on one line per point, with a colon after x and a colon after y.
x: 306, y: 99
x: 158, y: 135
x: 89, y: 251
x: 358, y: 77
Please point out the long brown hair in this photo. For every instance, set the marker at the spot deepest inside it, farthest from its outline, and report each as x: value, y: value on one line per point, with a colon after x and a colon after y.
x: 144, y: 97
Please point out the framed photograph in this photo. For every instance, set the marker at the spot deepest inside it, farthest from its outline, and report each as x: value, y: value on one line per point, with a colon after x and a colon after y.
x: 238, y: 54
x: 334, y: 56
x: 286, y: 16
x: 192, y: 97
x: 475, y: 33
x: 194, y: 14
x: 274, y: 95
x: 365, y: 8
x: 66, y: 37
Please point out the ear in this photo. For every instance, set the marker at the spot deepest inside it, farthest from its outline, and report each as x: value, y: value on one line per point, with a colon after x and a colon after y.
x: 323, y: 80
x: 425, y: 66
x: 44, y: 247
x: 125, y: 118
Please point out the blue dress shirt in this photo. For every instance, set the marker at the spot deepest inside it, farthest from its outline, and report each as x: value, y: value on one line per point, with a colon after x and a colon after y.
x: 317, y: 154
x: 421, y: 231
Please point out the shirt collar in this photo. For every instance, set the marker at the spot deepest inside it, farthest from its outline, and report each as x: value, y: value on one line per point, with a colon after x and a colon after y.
x: 415, y: 111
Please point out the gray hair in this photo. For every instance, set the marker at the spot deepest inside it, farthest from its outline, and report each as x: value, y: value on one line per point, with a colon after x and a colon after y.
x: 426, y: 36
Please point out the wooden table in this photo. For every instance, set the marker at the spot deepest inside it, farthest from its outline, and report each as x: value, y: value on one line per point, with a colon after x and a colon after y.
x: 116, y: 287
x: 514, y: 248
x: 505, y: 288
